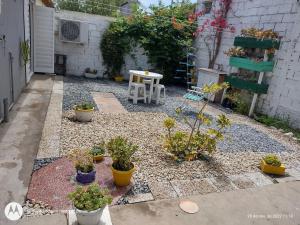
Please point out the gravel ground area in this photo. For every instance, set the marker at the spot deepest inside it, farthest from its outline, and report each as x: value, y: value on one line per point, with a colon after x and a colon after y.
x: 36, y: 208
x: 245, y: 144
x: 78, y: 89
x: 145, y: 130
x: 241, y: 137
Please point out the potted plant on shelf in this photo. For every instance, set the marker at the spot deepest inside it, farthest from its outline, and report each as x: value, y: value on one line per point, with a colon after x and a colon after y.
x: 121, y: 151
x: 98, y: 152
x: 271, y: 164
x: 84, y: 112
x: 83, y: 162
x: 90, y: 73
x: 89, y: 203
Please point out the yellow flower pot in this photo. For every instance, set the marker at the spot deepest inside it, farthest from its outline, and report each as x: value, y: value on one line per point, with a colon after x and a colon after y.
x: 119, y: 78
x: 277, y: 170
x: 122, y: 178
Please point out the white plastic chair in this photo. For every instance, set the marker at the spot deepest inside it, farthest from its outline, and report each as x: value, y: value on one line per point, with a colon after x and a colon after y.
x: 159, y: 90
x: 137, y: 91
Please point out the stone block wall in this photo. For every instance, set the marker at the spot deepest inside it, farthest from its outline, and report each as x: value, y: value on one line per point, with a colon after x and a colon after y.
x: 283, y: 98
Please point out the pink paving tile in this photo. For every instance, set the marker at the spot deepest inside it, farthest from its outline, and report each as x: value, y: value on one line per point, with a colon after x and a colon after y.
x: 52, y: 183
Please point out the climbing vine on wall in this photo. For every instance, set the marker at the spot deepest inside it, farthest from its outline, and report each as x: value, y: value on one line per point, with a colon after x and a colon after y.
x: 164, y: 34
x: 212, y: 28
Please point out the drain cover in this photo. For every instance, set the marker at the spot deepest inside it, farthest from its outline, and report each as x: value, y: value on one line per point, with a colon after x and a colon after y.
x: 188, y: 206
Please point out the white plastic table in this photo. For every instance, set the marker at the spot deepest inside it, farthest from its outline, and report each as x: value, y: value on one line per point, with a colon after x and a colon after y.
x: 154, y: 77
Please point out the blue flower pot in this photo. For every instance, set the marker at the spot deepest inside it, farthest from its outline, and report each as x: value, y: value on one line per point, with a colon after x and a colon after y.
x: 85, y: 178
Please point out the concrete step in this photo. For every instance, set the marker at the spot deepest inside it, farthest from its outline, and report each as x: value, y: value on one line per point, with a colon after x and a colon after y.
x: 268, y: 205
x: 55, y: 219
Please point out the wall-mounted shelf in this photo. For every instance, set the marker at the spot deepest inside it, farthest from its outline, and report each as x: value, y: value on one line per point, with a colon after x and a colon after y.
x: 249, y: 42
x: 248, y: 64
x: 239, y: 83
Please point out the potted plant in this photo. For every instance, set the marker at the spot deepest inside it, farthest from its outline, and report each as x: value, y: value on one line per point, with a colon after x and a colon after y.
x: 83, y: 162
x: 98, y: 152
x: 271, y: 164
x: 89, y: 203
x: 84, y: 112
x: 90, y: 73
x: 118, y: 78
x: 121, y: 151
x: 207, y: 5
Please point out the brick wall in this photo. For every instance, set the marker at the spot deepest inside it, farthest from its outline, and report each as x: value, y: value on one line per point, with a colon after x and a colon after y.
x: 82, y: 56
x: 283, y: 98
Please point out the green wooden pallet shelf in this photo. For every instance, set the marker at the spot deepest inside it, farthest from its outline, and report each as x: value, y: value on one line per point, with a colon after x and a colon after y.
x: 249, y: 42
x: 249, y: 64
x: 247, y: 85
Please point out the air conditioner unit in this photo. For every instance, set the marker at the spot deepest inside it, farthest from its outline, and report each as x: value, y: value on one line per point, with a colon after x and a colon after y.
x: 73, y: 31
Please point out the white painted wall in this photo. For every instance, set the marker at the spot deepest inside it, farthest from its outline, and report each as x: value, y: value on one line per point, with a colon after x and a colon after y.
x: 80, y: 57
x: 283, y: 98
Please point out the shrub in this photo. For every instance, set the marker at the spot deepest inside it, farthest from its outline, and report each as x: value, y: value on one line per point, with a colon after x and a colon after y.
x: 121, y: 151
x: 189, y: 145
x: 84, y: 106
x: 272, y: 160
x: 165, y: 41
x: 82, y: 160
x: 90, y: 198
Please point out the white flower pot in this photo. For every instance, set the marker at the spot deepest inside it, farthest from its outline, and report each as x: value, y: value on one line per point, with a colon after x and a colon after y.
x: 90, y: 75
x: 89, y: 218
x: 84, y: 115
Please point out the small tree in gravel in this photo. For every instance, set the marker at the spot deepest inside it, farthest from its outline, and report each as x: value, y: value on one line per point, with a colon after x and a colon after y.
x: 190, y: 145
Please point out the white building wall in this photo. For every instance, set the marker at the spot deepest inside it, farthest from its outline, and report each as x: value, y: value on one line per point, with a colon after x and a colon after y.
x: 80, y: 57
x: 27, y: 21
x: 283, y: 98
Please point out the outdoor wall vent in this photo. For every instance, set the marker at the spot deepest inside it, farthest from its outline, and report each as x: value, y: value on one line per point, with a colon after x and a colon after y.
x: 73, y: 31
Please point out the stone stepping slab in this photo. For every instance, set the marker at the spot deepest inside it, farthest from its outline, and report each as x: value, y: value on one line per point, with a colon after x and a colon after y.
x: 108, y: 103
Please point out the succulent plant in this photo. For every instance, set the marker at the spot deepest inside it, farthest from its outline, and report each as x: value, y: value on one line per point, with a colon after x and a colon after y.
x: 84, y: 106
x: 98, y: 149
x: 90, y: 198
x: 236, y: 51
x: 259, y: 33
x: 272, y: 160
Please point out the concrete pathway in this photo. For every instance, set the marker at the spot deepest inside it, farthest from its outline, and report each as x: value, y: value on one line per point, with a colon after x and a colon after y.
x: 272, y: 204
x: 19, y: 141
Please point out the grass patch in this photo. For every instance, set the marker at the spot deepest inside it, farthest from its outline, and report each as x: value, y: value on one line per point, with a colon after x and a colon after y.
x: 278, y: 123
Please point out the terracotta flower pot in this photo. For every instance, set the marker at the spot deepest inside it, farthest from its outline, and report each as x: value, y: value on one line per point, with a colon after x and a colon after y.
x: 122, y: 178
x: 98, y: 157
x: 85, y: 178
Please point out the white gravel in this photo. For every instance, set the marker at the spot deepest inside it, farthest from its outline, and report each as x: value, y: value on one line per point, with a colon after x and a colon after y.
x: 146, y: 130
